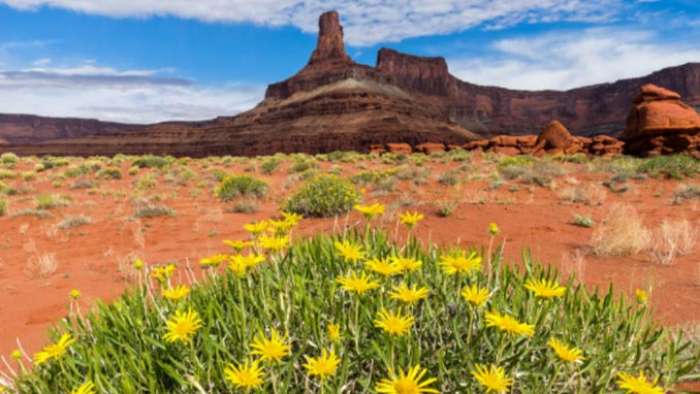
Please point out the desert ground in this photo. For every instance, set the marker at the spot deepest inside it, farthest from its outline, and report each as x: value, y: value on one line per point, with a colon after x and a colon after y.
x: 80, y: 223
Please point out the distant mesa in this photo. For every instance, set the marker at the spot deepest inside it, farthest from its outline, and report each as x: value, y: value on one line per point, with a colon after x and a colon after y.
x: 404, y: 103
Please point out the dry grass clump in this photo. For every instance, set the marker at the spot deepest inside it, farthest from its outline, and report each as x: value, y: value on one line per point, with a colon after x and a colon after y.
x: 622, y: 233
x: 672, y: 239
x: 43, y: 265
x: 584, y: 194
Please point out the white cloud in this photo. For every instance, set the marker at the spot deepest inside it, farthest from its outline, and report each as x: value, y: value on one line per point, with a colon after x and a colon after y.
x: 563, y: 60
x: 133, y: 96
x: 366, y: 21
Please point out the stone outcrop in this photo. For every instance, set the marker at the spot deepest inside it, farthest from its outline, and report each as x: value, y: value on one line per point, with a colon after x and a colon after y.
x: 660, y: 123
x: 333, y: 103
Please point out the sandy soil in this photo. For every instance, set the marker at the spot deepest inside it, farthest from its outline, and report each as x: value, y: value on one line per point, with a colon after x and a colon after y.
x: 95, y: 258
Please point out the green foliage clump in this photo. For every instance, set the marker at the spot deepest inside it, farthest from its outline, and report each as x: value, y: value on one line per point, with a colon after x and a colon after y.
x: 152, y: 161
x: 372, y: 176
x: 49, y: 162
x: 324, y: 196
x: 270, y: 164
x: 674, y: 166
x: 3, y: 206
x: 7, y: 174
x: 240, y: 185
x: 109, y: 173
x: 50, y: 201
x: 9, y: 159
x: 121, y: 347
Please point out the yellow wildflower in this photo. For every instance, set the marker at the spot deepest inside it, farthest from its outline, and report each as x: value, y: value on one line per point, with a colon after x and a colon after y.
x: 323, y: 366
x: 410, y: 382
x: 334, y: 332
x: 292, y: 218
x: 54, y: 351
x: 370, y: 211
x: 351, y: 282
x: 239, y: 264
x: 238, y: 245
x: 16, y: 354
x: 409, y: 295
x: 641, y: 296
x: 406, y: 264
x: 460, y: 263
x: 565, y: 352
x: 183, y: 326
x: 544, y: 288
x: 638, y: 384
x: 410, y: 219
x: 85, y: 388
x: 256, y: 228
x: 475, y: 295
x: 273, y: 349
x: 163, y: 273
x: 394, y: 323
x: 509, y: 324
x: 493, y: 229
x: 213, y: 261
x: 274, y: 244
x: 75, y: 294
x: 350, y: 252
x: 176, y: 293
x: 493, y: 378
x: 383, y: 267
x: 246, y: 376
x: 138, y: 264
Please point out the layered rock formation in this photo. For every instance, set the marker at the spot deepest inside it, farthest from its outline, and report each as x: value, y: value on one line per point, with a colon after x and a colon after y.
x: 334, y: 103
x: 660, y: 123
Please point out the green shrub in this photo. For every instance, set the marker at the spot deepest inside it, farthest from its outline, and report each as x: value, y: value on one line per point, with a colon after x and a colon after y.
x: 324, y: 196
x: 109, y: 173
x: 582, y: 221
x: 674, y: 166
x: 6, y: 189
x: 3, y: 207
x: 121, y: 348
x: 9, y: 158
x: 240, y: 185
x: 152, y: 210
x: 50, y: 201
x: 302, y: 165
x: 270, y: 164
x: 151, y: 161
x: 7, y: 174
x: 49, y: 162
x: 28, y: 176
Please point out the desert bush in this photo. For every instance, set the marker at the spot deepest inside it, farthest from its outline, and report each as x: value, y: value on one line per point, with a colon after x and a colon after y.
x: 686, y: 192
x: 28, y: 176
x: 449, y: 178
x: 324, y: 196
x: 146, y: 182
x: 240, y: 185
x: 9, y: 159
x: 584, y: 194
x: 245, y: 206
x: 270, y: 164
x: 457, y: 155
x: 344, y: 156
x: 49, y: 162
x: 109, y: 173
x: 151, y: 161
x: 582, y: 221
x: 6, y: 189
x: 672, y: 166
x: 51, y: 201
x: 673, y: 238
x: 124, y: 347
x: 371, y: 177
x: 445, y: 208
x: 153, y: 210
x: 3, y: 206
x: 7, y: 174
x: 74, y: 221
x: 301, y: 165
x: 83, y: 183
x: 622, y: 233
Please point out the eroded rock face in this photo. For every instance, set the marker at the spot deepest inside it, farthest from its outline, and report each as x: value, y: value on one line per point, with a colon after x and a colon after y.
x: 334, y: 103
x: 330, y: 46
x: 660, y: 123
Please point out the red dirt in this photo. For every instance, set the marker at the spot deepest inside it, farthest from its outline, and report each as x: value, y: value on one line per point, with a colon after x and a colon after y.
x: 91, y: 258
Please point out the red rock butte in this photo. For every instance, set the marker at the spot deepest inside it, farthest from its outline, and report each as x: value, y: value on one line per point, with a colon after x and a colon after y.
x: 333, y: 103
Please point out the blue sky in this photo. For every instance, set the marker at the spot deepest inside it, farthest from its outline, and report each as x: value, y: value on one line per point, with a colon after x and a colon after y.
x: 154, y: 60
